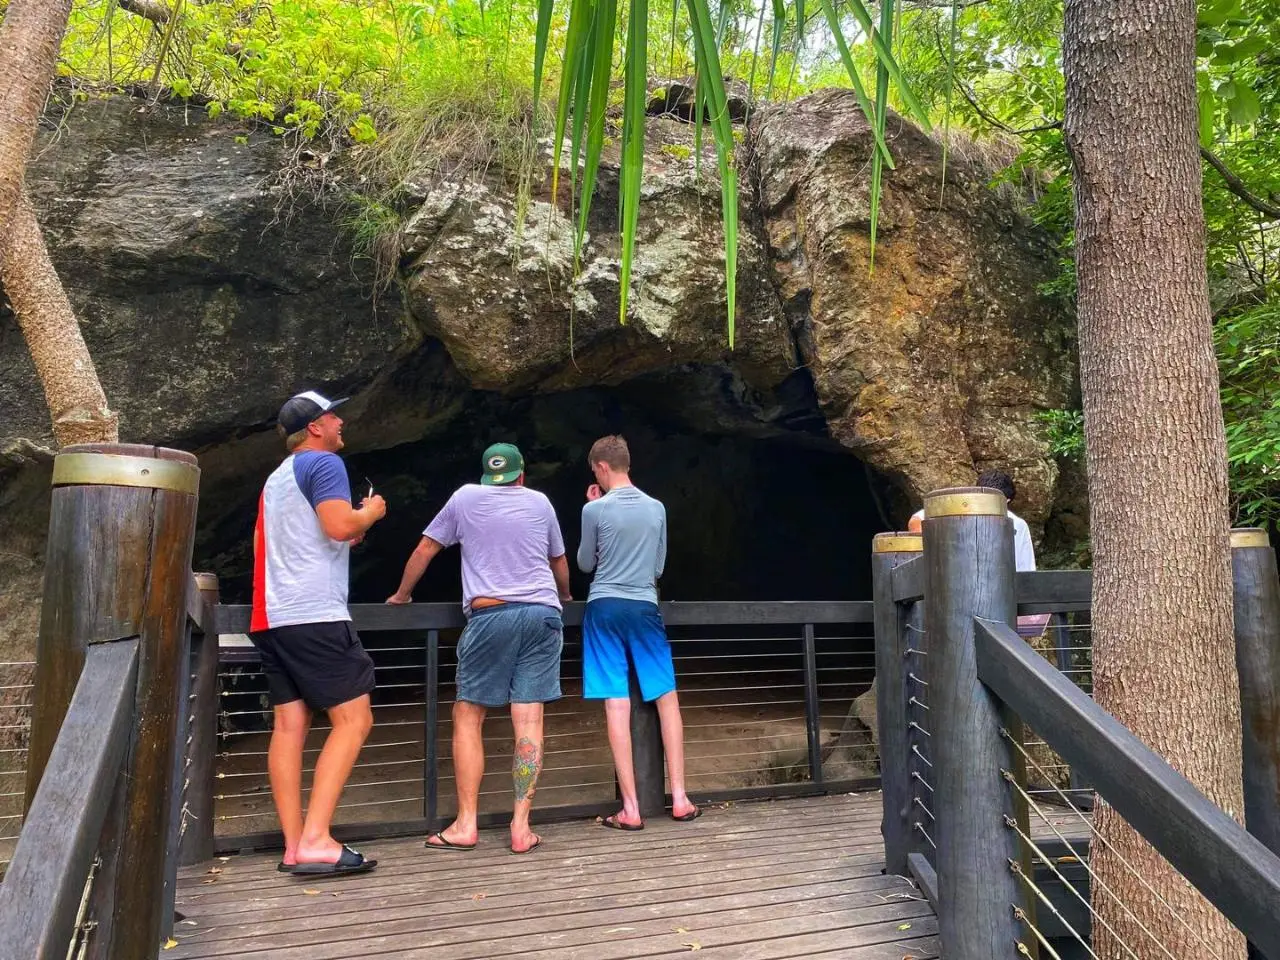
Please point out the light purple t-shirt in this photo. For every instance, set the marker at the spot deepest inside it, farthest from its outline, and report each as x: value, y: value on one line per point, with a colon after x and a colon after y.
x: 508, y: 533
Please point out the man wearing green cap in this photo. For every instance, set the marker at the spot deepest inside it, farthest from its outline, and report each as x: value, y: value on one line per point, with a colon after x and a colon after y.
x: 514, y: 578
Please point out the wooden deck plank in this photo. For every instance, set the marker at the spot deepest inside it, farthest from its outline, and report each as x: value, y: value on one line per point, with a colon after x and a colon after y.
x: 621, y: 866
x: 765, y: 881
x: 236, y: 882
x: 451, y: 914
x: 506, y: 932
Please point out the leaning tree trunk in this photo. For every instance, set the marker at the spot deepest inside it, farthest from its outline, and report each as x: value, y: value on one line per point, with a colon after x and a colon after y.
x: 1162, y: 631
x: 30, y: 36
x: 76, y: 402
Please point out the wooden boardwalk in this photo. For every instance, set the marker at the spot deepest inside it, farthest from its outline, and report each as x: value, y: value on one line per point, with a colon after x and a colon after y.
x: 747, y: 881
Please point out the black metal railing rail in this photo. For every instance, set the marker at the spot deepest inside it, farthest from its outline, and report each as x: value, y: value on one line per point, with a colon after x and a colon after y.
x: 975, y: 804
x: 46, y: 897
x: 769, y: 693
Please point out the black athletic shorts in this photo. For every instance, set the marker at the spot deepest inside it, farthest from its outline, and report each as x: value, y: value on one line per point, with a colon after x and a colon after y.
x: 322, y: 664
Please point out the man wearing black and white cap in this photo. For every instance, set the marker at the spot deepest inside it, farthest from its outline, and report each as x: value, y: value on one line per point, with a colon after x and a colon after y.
x: 311, y: 655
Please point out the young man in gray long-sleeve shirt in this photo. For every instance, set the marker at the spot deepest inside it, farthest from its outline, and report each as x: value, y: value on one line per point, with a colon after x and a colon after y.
x: 624, y: 540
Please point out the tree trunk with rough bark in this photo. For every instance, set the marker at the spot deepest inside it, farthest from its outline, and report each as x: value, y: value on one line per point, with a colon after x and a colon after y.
x: 30, y: 36
x: 74, y: 395
x: 1162, y: 617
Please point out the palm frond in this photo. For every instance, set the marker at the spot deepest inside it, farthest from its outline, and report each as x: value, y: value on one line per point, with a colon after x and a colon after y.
x: 707, y: 56
x: 882, y: 113
x: 633, y: 112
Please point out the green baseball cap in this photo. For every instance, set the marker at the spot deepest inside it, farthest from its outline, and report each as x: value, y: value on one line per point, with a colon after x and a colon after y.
x: 503, y: 464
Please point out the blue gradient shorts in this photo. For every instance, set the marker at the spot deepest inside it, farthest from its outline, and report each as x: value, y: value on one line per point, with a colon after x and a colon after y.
x: 614, y: 630
x: 511, y: 654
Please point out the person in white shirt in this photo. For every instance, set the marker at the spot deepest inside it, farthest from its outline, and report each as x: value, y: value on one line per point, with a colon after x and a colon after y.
x: 1024, y: 553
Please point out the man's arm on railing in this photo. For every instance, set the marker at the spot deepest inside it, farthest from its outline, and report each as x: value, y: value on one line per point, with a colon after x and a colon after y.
x: 416, y: 566
x: 1234, y: 871
x: 42, y: 889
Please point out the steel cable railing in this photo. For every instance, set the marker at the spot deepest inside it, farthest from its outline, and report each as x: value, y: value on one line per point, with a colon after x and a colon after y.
x: 16, y: 685
x: 760, y: 706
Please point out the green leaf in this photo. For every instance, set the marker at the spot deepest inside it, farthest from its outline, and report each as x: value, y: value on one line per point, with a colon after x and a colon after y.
x: 885, y: 57
x: 1244, y: 107
x: 576, y: 41
x: 711, y: 78
x: 779, y: 25
x: 859, y: 90
x: 882, y: 111
x: 1208, y: 108
x: 542, y: 31
x: 633, y: 141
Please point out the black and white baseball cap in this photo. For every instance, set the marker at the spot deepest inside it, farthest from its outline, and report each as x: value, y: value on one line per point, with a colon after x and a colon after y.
x: 300, y: 409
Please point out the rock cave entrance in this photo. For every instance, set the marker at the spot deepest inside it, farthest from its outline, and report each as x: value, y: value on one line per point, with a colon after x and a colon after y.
x: 756, y: 510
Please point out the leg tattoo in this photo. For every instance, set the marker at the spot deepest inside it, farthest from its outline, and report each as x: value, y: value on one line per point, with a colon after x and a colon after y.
x: 525, y: 767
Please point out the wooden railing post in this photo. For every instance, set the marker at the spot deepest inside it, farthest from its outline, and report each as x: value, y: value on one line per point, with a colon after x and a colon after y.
x: 646, y: 752
x: 888, y: 550
x: 1257, y: 617
x: 969, y: 572
x: 195, y: 842
x: 121, y: 530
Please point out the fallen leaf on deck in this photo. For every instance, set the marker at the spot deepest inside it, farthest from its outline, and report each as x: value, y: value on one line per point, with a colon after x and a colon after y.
x: 210, y: 880
x: 170, y: 943
x: 224, y: 859
x: 692, y: 945
x: 619, y: 929
x: 311, y: 893
x: 904, y: 926
x: 478, y: 896
x: 214, y: 870
x: 682, y: 929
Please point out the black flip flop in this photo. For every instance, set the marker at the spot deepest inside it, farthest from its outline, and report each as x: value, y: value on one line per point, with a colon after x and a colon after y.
x: 529, y: 849
x: 349, y: 862
x: 694, y: 814
x: 445, y: 843
x: 283, y: 867
x: 613, y: 823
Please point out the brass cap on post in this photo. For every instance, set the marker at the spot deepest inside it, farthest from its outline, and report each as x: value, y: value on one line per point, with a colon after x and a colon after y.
x: 897, y: 543
x: 205, y: 581
x: 1249, y: 537
x: 965, y: 502
x: 75, y: 468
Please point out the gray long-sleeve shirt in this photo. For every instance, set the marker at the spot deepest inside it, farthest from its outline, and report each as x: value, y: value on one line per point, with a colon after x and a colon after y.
x: 624, y: 540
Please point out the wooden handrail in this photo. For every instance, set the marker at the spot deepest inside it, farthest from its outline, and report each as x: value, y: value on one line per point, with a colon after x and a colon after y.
x: 59, y: 840
x: 908, y: 581
x: 1231, y: 868
x: 447, y: 616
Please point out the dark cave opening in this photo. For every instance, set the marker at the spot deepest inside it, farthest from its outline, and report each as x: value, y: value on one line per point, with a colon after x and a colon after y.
x: 754, y: 512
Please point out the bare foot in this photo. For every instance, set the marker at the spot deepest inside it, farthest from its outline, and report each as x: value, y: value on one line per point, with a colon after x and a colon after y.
x: 453, y: 837
x: 684, y: 809
x: 327, y: 850
x: 622, y: 821
x: 525, y: 842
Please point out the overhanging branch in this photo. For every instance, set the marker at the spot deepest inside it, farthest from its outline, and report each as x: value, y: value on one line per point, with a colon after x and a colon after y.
x: 1237, y: 186
x: 152, y: 10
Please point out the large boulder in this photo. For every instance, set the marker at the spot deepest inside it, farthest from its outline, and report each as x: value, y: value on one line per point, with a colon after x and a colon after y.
x: 932, y: 363
x: 206, y: 290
